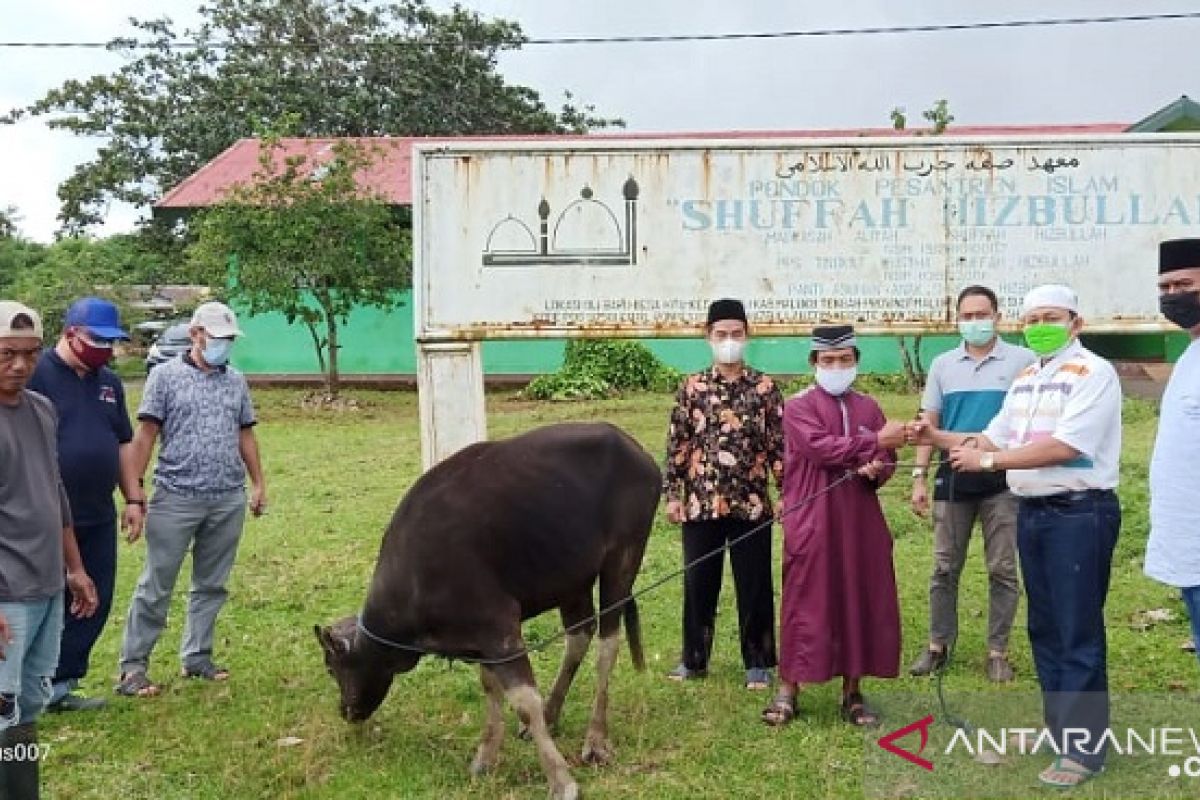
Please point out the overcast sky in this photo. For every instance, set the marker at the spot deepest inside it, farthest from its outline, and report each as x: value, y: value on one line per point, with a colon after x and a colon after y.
x: 1095, y: 73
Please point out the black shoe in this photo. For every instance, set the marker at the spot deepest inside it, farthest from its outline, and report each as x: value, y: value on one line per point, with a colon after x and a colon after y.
x: 76, y: 702
x: 929, y: 662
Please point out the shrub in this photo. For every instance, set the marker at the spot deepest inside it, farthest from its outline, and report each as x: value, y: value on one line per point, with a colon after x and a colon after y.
x: 595, y: 368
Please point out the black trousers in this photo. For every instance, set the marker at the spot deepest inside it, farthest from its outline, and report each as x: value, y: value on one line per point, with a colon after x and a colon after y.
x: 98, y: 551
x: 751, y: 559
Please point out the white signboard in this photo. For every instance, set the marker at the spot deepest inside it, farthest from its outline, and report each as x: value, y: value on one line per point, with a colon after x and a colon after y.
x: 602, y: 237
x: 530, y: 238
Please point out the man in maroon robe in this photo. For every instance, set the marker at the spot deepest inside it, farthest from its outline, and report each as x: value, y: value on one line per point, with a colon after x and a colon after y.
x: 840, y: 615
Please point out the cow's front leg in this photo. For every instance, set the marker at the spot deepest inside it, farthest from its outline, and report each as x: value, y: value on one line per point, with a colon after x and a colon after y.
x: 517, y: 679
x: 596, y: 747
x: 493, y: 727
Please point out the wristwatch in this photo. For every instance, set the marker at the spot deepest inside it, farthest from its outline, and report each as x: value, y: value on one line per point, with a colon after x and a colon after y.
x: 920, y: 472
x: 987, y: 462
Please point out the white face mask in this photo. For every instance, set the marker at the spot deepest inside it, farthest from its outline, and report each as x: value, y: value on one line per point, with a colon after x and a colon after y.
x: 728, y: 351
x: 836, y: 381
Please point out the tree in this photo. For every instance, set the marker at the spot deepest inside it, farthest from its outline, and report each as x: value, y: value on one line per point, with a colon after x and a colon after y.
x: 51, y: 278
x: 9, y: 217
x: 938, y: 116
x: 304, y: 240
x: 338, y: 67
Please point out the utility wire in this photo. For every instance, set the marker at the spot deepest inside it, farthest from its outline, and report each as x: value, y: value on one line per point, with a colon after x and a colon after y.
x: 133, y: 44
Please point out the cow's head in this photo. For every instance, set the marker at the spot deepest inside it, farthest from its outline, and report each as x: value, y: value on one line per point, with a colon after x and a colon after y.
x: 363, y: 674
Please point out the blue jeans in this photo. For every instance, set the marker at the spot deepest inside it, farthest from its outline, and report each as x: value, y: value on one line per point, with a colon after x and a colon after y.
x: 1066, y: 544
x: 1191, y: 599
x: 29, y: 658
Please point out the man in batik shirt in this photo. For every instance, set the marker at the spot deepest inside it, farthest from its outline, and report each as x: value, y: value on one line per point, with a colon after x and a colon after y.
x: 724, y: 443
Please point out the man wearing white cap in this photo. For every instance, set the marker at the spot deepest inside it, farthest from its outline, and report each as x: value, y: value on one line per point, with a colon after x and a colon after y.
x: 1058, y: 435
x: 201, y: 408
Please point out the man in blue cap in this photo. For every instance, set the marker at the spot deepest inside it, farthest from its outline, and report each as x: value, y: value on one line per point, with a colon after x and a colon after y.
x: 94, y: 433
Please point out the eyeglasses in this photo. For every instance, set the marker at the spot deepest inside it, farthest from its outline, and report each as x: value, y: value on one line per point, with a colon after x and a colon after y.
x: 11, y: 354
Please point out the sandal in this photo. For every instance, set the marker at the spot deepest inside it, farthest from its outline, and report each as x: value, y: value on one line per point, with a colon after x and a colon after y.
x: 683, y: 673
x: 758, y: 678
x: 209, y: 672
x: 1069, y: 773
x: 781, y: 711
x: 855, y: 711
x: 136, y: 684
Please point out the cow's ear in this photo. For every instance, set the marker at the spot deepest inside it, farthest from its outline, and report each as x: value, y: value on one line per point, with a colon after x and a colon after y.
x: 325, y: 639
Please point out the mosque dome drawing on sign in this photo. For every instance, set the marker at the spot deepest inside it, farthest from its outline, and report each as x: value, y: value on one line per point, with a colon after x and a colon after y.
x: 587, y: 232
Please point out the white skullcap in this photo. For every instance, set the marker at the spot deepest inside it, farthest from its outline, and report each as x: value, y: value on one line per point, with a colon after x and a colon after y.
x: 1051, y: 294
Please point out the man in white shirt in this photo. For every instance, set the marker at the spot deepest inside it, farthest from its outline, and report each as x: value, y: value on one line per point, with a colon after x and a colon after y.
x: 1173, y: 550
x: 1058, y: 434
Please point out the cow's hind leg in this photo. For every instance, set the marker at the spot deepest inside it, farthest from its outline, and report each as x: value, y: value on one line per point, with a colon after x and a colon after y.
x: 616, y: 584
x: 596, y: 747
x: 517, y: 679
x: 577, y: 618
x: 493, y: 726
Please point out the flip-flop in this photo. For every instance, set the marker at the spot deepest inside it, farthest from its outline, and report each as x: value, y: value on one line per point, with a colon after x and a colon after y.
x: 136, y: 684
x: 208, y: 672
x: 1076, y: 774
x: 781, y: 710
x: 854, y: 710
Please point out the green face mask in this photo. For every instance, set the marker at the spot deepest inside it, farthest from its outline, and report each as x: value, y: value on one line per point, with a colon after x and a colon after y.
x: 1047, y: 338
x: 977, y: 332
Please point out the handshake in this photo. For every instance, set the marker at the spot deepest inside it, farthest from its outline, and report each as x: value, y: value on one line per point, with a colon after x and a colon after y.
x: 894, y: 435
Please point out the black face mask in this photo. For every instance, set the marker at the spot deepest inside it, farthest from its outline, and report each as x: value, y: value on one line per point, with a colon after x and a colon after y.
x: 1182, y: 308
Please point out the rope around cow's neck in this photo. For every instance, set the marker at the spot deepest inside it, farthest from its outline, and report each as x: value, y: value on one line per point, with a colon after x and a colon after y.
x: 544, y: 643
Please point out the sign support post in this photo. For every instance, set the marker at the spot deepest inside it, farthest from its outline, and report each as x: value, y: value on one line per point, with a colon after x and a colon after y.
x: 450, y: 398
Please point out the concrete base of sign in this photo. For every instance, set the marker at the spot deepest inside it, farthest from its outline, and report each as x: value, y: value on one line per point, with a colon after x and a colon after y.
x: 450, y: 398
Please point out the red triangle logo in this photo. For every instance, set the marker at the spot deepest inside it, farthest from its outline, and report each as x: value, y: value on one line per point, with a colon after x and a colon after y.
x: 889, y: 742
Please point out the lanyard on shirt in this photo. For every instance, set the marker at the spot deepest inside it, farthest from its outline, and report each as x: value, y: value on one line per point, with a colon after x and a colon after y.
x: 1035, y: 402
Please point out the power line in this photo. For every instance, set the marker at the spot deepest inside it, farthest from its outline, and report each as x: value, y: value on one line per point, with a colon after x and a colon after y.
x: 131, y: 44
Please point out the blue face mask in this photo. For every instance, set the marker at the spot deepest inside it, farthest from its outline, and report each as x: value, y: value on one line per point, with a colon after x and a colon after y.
x: 216, y: 351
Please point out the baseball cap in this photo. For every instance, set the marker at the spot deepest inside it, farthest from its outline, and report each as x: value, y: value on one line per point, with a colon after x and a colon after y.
x: 1051, y: 294
x: 216, y: 318
x: 100, y: 317
x: 9, y: 312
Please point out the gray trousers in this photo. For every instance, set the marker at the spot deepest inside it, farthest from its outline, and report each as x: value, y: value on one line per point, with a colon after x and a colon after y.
x: 952, y: 525
x: 212, y: 528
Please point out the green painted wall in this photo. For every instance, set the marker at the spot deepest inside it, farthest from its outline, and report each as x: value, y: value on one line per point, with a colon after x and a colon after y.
x: 380, y: 343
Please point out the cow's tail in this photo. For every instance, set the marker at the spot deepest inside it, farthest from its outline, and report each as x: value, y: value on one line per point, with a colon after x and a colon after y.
x: 633, y: 632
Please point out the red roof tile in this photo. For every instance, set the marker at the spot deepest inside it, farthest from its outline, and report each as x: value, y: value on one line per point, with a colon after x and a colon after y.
x: 391, y: 175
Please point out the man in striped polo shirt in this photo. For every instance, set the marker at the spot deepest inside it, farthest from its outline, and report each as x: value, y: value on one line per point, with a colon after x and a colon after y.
x: 1058, y: 435
x: 964, y: 391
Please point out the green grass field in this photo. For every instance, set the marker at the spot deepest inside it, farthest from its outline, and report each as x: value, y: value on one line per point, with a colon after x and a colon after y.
x: 272, y: 731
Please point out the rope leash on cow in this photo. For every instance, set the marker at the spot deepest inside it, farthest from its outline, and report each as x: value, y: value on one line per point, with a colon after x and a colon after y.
x: 595, y: 619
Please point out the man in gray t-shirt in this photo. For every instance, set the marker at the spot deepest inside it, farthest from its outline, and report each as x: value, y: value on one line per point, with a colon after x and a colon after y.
x: 36, y: 543
x: 200, y: 410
